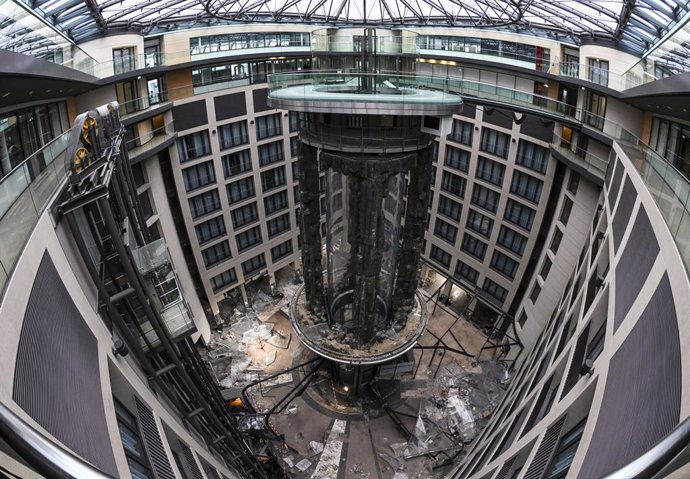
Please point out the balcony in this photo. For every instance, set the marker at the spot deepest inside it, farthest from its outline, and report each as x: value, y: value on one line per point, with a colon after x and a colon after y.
x: 151, y: 143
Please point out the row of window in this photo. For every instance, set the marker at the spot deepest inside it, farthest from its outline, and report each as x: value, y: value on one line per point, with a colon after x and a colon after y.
x: 209, y: 201
x: 197, y: 145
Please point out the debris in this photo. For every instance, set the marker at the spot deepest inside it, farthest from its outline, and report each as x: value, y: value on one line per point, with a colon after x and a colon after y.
x: 303, y: 465
x: 291, y: 409
x: 398, y: 449
x: 400, y: 475
x: 288, y: 461
x: 395, y: 464
x: 270, y: 358
x: 316, y: 446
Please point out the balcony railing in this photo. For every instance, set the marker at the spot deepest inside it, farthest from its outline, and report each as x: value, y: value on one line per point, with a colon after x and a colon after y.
x: 579, y: 156
x: 24, y: 193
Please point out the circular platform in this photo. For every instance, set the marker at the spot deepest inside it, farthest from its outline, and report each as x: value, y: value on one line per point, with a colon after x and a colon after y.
x: 318, y: 335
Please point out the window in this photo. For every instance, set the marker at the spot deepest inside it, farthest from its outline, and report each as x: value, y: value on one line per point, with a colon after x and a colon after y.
x: 240, y: 190
x: 573, y: 182
x: 198, y: 175
x: 271, y: 153
x: 545, y: 268
x: 236, y: 163
x: 462, y: 132
x: 273, y: 178
x: 204, y: 203
x: 248, y: 238
x: 275, y: 202
x: 535, y: 292
x: 445, y: 231
x: 473, y: 246
x: 599, y: 71
x: 491, y: 171
x: 596, y: 345
x: 480, y: 223
x: 233, y: 134
x: 519, y: 214
x: 495, y: 142
x: 464, y: 271
x: 194, y: 146
x: 278, y: 224
x: 596, y: 110
x: 244, y: 215
x: 294, y: 121
x: 526, y: 186
x: 485, y: 198
x: 565, y: 452
x: 495, y: 290
x: 522, y: 319
x: 504, y: 264
x: 123, y: 60
x: 449, y: 208
x: 457, y: 158
x: 253, y: 264
x: 453, y: 184
x: 269, y: 125
x: 295, y: 146
x: 565, y: 212
x: 556, y: 241
x: 216, y: 253
x: 512, y: 240
x: 132, y: 443
x: 440, y: 256
x: 281, y: 251
x: 224, y: 279
x: 533, y: 156
x: 210, y: 229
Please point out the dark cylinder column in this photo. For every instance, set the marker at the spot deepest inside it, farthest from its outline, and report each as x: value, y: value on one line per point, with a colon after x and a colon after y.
x: 413, y: 235
x: 311, y: 228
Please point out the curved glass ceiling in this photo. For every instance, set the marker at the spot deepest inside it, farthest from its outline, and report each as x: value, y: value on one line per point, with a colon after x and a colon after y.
x: 636, y: 24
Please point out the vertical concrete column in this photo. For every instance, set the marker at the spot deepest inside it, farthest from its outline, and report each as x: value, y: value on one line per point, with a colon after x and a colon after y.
x: 311, y: 228
x: 418, y: 195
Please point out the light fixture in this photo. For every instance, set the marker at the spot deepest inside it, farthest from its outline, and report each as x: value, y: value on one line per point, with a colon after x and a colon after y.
x: 346, y: 388
x: 120, y: 348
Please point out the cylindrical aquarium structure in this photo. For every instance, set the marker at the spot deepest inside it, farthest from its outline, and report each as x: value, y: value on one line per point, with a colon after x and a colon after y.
x: 366, y: 165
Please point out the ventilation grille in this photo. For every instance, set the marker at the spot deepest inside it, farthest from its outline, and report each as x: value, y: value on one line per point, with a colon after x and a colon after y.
x: 154, y: 444
x: 503, y: 473
x: 191, y: 462
x: 57, y: 378
x: 543, y: 456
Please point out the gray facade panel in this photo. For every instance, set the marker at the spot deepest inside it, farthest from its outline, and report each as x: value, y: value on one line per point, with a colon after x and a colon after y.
x: 260, y: 98
x: 634, y: 265
x: 641, y: 401
x: 621, y: 218
x: 57, y: 379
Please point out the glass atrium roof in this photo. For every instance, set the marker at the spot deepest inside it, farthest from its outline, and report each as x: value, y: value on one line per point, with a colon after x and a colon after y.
x: 637, y: 24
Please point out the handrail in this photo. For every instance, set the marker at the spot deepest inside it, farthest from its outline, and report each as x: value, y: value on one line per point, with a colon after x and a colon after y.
x: 40, y: 452
x: 659, y: 456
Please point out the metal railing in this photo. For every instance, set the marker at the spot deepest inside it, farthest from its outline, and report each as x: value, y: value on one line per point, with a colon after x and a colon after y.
x: 42, y: 453
x: 580, y: 156
x: 24, y: 193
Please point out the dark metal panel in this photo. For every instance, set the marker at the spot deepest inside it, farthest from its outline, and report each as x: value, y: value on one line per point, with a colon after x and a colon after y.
x: 621, y: 218
x: 498, y: 117
x: 154, y: 445
x: 190, y: 115
x: 543, y: 455
x: 468, y: 110
x: 537, y: 128
x: 641, y: 402
x: 634, y: 265
x: 57, y: 379
x: 575, y: 365
x: 230, y: 106
x: 609, y: 172
x: 260, y: 98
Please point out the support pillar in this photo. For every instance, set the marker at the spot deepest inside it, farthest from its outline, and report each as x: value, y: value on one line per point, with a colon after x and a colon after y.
x: 311, y: 228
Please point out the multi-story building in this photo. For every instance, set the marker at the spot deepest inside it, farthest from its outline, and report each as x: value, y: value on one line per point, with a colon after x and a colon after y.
x: 559, y: 200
